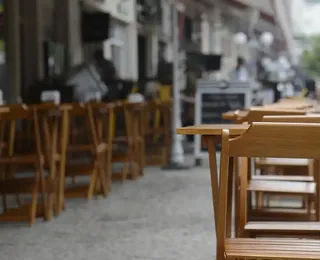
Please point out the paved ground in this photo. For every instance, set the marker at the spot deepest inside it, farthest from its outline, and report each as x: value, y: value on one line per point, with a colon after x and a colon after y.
x: 163, y: 216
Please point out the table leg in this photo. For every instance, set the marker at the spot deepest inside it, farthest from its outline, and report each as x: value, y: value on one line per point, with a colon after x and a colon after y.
x: 211, y: 143
x: 63, y: 154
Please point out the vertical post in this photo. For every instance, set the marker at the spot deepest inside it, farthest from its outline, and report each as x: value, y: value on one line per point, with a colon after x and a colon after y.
x: 32, y: 34
x: 177, y: 150
x: 12, y: 45
x: 177, y: 154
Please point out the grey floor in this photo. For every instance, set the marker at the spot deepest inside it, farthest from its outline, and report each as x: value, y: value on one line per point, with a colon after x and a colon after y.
x: 164, y: 215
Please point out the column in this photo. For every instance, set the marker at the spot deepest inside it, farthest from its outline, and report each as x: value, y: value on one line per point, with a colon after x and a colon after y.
x: 216, y: 45
x: 32, y: 49
x: 74, y: 31
x: 12, y: 45
x: 152, y: 59
x: 205, y: 34
x: 133, y: 46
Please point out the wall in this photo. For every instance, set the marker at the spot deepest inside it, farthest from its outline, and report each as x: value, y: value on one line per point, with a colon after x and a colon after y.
x: 124, y: 38
x: 75, y: 45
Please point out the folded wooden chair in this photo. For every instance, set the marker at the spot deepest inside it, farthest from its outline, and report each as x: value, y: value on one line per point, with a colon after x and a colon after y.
x: 103, y: 115
x: 135, y: 118
x: 158, y: 136
x: 54, y: 126
x: 22, y: 165
x: 278, y: 140
x: 278, y: 166
x: 127, y: 141
x: 86, y: 154
x: 290, y: 228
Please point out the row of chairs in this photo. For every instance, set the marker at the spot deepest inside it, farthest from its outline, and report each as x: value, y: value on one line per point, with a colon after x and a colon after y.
x: 51, y: 152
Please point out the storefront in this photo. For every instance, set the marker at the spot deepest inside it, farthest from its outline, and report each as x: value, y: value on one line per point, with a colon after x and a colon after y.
x: 121, y: 47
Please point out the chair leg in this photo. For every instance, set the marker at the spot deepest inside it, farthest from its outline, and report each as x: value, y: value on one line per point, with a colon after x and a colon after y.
x: 102, y: 175
x: 125, y: 170
x: 92, y: 184
x: 142, y: 157
x: 132, y: 162
x: 33, y: 207
x: 3, y: 195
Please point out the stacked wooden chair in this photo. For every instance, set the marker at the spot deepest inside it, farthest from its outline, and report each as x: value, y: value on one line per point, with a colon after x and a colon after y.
x: 263, y: 185
x: 274, y: 140
x: 22, y: 165
x: 158, y: 136
x: 297, y: 185
x: 87, y: 151
x: 128, y: 144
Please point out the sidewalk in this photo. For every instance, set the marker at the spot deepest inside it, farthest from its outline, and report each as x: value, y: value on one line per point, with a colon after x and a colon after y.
x: 163, y: 216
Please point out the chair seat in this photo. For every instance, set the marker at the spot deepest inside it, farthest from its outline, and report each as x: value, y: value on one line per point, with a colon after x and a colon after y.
x: 291, y: 249
x: 294, y: 187
x: 282, y: 178
x: 307, y: 228
x: 284, y: 162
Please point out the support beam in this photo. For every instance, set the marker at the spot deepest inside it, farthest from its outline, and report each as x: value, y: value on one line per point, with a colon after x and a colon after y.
x: 32, y: 49
x: 12, y: 45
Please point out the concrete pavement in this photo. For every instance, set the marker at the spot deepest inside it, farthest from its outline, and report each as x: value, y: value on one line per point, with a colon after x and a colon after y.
x: 164, y: 215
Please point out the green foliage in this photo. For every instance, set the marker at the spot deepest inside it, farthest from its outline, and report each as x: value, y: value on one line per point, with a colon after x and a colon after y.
x: 311, y: 55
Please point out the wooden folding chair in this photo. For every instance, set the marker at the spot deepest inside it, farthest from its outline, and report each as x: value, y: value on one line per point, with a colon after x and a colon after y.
x: 274, y: 166
x: 128, y: 142
x: 289, y: 228
x: 158, y: 138
x: 278, y: 140
x: 22, y: 165
x: 86, y: 153
x: 54, y: 126
x: 103, y: 115
x: 135, y: 115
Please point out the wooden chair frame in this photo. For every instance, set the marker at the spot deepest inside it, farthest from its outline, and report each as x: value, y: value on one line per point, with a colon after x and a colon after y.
x: 262, y: 140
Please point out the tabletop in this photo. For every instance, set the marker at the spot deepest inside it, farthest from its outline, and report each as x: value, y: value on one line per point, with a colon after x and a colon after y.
x: 214, y: 129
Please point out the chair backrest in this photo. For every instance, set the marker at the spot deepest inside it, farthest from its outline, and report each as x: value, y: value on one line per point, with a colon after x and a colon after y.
x: 54, y: 126
x: 101, y: 117
x: 20, y: 130
x: 257, y: 114
x: 293, y: 119
x: 82, y: 127
x: 134, y: 118
x: 279, y: 140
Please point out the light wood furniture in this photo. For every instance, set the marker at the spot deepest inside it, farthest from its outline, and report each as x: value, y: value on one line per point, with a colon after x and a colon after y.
x: 311, y: 229
x: 103, y: 116
x: 212, y: 136
x: 262, y: 186
x: 54, y: 125
x: 87, y: 152
x: 157, y: 137
x: 134, y: 114
x: 128, y: 146
x: 20, y: 130
x: 284, y: 140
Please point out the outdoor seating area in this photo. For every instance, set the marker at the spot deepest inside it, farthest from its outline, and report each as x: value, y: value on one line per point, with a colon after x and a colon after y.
x: 50, y: 153
x: 266, y: 201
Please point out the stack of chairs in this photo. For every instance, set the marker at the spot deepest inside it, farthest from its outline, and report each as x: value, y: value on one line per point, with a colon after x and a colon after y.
x: 294, y: 137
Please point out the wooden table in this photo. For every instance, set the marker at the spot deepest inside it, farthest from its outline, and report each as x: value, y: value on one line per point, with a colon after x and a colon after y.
x: 283, y: 105
x: 212, y: 135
